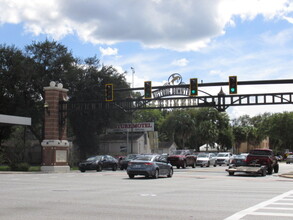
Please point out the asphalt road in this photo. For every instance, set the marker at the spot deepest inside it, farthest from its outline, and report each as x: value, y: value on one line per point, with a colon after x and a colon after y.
x: 200, y: 193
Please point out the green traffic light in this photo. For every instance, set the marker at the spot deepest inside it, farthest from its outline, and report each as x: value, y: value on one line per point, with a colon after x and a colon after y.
x: 232, y: 89
x: 193, y: 92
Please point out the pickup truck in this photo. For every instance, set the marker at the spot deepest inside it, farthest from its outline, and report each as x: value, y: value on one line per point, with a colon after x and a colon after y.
x: 258, y: 161
x: 182, y: 158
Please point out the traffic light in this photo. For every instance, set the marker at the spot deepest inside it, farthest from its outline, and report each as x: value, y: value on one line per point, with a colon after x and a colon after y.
x: 233, y: 84
x: 109, y: 96
x: 148, y: 89
x: 193, y: 87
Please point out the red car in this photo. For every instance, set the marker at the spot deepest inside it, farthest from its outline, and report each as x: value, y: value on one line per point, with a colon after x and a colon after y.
x: 182, y: 158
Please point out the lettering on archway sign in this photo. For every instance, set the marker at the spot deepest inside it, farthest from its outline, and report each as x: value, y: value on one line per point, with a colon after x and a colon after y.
x: 174, y: 79
x: 134, y: 127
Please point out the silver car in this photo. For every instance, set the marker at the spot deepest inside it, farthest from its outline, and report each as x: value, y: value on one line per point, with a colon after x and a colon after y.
x: 289, y: 159
x: 206, y: 159
x: 149, y: 166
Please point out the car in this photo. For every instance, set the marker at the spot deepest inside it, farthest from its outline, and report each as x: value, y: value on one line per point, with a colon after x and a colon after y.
x: 223, y: 158
x: 239, y: 160
x: 98, y: 163
x: 124, y: 162
x: 263, y: 157
x: 182, y: 158
x: 206, y: 159
x: 149, y: 166
x: 289, y: 159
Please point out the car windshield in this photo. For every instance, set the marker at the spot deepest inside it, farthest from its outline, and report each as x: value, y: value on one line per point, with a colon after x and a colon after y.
x: 145, y: 157
x: 222, y: 155
x: 261, y: 152
x: 131, y: 156
x: 179, y: 152
x: 94, y: 158
x: 240, y: 157
x: 203, y: 155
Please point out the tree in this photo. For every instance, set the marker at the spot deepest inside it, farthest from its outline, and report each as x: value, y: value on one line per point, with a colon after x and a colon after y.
x: 87, y: 125
x: 150, y: 115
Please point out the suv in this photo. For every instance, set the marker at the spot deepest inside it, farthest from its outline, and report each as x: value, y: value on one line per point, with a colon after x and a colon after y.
x: 182, y: 158
x: 264, y: 157
x: 223, y: 158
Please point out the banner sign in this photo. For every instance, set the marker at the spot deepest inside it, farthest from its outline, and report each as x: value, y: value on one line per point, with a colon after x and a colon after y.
x: 133, y: 127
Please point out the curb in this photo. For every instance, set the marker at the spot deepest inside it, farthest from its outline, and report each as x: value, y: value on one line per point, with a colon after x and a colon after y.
x: 287, y: 175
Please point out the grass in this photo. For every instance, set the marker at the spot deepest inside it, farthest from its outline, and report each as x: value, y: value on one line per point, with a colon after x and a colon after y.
x: 31, y: 168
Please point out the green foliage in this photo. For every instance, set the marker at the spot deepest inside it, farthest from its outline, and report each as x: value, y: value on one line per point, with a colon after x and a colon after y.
x: 19, y: 167
x: 150, y: 115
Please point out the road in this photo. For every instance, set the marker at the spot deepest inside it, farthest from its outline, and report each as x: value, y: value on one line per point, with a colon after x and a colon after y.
x: 200, y: 193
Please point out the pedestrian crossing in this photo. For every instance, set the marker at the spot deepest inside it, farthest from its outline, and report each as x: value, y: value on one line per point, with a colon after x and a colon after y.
x: 279, y: 207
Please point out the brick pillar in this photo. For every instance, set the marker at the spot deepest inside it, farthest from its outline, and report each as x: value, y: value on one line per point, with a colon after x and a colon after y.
x: 55, y: 145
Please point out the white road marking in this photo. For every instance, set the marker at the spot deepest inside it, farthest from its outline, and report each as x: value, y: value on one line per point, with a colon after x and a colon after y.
x: 268, y: 205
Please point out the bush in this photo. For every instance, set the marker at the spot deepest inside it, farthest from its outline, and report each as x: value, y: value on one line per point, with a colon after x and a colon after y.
x: 20, y: 167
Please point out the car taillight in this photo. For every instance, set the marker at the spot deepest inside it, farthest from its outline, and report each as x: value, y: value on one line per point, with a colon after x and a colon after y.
x: 148, y: 164
x: 129, y: 163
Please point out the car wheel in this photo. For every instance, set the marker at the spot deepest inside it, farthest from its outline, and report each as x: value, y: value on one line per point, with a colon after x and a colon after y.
x: 114, y: 168
x: 270, y: 170
x: 99, y: 168
x: 82, y: 170
x: 178, y: 167
x: 156, y: 175
x: 276, y: 168
x: 231, y: 173
x: 170, y: 173
x: 184, y: 165
x: 264, y: 172
x: 131, y: 176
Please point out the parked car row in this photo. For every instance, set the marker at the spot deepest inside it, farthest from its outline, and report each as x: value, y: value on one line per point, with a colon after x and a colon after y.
x: 148, y: 165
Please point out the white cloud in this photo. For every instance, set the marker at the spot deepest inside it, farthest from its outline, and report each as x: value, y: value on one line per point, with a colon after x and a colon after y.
x: 108, y: 51
x: 180, y: 62
x: 155, y: 24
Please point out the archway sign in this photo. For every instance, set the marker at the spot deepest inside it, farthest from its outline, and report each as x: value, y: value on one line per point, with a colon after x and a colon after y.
x: 176, y: 94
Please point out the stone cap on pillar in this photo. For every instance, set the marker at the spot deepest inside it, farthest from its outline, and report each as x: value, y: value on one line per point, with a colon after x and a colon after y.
x: 54, y: 86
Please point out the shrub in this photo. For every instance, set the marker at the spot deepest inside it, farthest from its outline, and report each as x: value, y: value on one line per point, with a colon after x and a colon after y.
x: 20, y: 167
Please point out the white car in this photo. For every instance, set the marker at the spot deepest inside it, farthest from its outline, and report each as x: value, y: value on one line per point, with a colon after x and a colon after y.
x: 289, y: 159
x: 206, y: 159
x: 223, y: 158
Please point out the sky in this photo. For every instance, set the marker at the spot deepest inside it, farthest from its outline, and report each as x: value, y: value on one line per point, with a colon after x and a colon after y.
x: 152, y: 39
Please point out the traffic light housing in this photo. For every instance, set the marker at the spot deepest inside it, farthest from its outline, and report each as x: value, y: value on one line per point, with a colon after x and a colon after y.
x: 148, y: 89
x: 109, y: 96
x: 193, y: 87
x: 233, y: 84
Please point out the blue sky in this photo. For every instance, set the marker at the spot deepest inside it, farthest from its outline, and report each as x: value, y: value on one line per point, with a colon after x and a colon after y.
x: 205, y: 39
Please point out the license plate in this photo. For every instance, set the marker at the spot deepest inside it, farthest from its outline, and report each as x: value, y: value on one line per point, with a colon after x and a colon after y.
x: 136, y: 166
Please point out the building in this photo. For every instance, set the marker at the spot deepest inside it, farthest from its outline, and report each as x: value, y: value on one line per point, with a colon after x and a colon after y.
x: 126, y: 138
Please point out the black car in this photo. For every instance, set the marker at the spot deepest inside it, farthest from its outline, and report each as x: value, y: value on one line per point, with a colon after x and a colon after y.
x: 239, y: 160
x: 98, y: 163
x: 149, y: 166
x: 124, y: 162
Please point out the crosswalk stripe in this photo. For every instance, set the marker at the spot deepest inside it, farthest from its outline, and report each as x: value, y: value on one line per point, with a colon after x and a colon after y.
x: 254, y: 209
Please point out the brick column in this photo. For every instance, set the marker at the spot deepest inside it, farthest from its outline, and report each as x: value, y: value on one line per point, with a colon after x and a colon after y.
x: 55, y: 145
